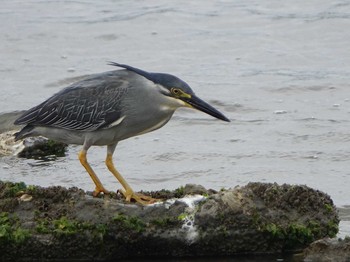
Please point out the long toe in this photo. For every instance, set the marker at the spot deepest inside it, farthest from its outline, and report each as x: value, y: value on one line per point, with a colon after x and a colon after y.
x: 139, y: 198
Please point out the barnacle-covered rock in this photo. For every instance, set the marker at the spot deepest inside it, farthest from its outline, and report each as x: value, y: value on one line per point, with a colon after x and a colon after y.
x: 64, y: 224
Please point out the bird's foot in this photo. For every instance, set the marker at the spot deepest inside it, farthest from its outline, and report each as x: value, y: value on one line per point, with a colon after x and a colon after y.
x: 139, y: 198
x: 99, y: 190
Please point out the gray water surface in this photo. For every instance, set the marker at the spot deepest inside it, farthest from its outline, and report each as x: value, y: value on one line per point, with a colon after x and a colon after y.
x: 278, y: 69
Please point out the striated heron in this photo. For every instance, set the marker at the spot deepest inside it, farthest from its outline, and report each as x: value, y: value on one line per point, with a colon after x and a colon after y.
x: 106, y: 108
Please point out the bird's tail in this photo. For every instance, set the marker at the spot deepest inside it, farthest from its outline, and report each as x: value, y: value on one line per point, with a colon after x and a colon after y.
x: 24, y: 132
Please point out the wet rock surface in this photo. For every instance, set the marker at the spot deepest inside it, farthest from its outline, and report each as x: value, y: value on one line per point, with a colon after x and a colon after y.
x: 42, y: 148
x: 328, y: 250
x: 58, y: 223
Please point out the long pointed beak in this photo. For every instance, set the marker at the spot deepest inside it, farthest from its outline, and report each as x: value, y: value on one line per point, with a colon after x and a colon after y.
x: 203, y: 106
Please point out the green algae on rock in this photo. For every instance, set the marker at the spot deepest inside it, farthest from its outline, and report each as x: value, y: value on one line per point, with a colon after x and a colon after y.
x: 259, y: 218
x: 42, y: 148
x: 11, y: 231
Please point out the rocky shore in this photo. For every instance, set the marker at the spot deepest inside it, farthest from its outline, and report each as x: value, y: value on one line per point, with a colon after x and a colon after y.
x: 56, y: 223
x: 259, y: 219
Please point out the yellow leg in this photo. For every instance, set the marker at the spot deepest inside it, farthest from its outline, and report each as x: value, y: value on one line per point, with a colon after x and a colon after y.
x: 99, y: 187
x: 128, y: 193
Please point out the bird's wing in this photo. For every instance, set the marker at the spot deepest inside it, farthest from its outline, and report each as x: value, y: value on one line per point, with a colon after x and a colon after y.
x: 88, y: 105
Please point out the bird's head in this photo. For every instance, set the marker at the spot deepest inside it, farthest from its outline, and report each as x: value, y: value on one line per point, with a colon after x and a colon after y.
x: 175, y: 88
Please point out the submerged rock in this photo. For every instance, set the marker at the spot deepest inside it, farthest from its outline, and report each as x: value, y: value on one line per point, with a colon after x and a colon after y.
x: 63, y: 224
x: 42, y: 148
x: 31, y: 147
x: 328, y: 250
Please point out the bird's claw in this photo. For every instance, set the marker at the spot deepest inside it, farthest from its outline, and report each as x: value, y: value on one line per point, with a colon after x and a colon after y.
x: 99, y: 190
x: 139, y: 198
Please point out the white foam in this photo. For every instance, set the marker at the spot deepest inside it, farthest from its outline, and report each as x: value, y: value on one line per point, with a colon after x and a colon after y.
x: 190, y: 228
x: 188, y: 225
x: 192, y: 200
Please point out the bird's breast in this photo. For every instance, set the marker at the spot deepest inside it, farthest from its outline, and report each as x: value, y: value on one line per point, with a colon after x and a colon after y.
x: 156, y: 126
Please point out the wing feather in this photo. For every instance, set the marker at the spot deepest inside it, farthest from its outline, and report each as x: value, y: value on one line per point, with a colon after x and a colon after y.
x: 87, y: 105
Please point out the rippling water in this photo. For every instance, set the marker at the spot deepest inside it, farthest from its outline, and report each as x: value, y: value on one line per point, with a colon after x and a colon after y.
x: 278, y: 69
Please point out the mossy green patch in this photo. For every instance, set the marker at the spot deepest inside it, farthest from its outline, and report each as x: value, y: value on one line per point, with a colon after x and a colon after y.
x: 12, y: 189
x: 11, y: 231
x: 44, y: 150
x: 274, y: 230
x: 64, y: 227
x: 332, y: 228
x: 179, y: 192
x: 328, y: 208
x: 164, y: 222
x: 43, y: 227
x: 296, y: 234
x: 182, y: 216
x: 130, y: 222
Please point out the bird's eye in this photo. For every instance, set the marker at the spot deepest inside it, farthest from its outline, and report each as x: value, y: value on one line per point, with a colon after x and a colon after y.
x: 176, y: 91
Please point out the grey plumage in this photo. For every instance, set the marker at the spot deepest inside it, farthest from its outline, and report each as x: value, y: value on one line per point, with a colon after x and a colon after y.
x: 81, y: 106
x: 163, y: 79
x: 100, y: 100
x: 105, y: 108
